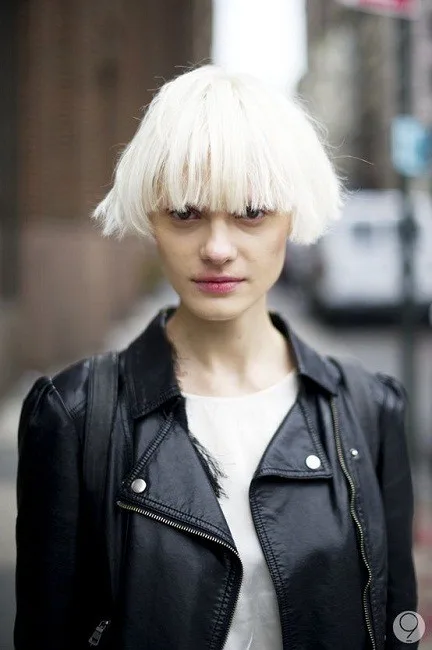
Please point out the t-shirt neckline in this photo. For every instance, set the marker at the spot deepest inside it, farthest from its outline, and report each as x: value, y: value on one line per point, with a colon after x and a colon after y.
x: 288, y: 379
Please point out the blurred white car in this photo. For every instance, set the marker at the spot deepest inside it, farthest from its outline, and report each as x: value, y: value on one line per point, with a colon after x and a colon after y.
x: 358, y: 264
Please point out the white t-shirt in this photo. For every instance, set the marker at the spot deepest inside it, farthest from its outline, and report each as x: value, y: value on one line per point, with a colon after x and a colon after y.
x: 236, y: 432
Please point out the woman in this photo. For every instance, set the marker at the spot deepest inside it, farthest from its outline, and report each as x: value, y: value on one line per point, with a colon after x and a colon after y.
x: 250, y: 503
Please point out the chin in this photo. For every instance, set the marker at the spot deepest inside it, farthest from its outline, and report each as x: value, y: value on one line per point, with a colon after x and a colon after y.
x: 216, y: 308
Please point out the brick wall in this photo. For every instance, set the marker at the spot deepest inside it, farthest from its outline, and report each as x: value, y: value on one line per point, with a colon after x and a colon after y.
x: 74, y: 284
x: 85, y: 72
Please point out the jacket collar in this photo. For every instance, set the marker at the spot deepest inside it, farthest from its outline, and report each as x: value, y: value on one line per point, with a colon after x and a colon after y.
x: 149, y: 364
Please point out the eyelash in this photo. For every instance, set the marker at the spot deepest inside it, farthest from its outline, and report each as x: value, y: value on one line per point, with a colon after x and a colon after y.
x: 191, y: 211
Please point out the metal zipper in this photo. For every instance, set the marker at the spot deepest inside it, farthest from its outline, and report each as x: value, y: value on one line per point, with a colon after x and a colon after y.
x: 354, y: 516
x: 189, y: 529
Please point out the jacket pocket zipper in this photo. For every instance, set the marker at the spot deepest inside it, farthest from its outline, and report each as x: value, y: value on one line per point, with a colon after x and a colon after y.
x: 194, y: 531
x: 354, y: 516
x: 97, y: 634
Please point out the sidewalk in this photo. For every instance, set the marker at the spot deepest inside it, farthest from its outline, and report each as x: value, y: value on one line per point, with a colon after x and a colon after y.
x: 118, y: 338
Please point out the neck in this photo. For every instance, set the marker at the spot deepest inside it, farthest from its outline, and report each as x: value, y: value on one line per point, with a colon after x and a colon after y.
x: 246, y: 347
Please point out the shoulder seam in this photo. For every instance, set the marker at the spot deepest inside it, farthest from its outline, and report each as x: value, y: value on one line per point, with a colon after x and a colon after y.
x: 44, y: 389
x: 70, y: 413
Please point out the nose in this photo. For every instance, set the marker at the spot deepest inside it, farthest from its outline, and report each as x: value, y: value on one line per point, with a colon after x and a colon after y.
x: 218, y: 245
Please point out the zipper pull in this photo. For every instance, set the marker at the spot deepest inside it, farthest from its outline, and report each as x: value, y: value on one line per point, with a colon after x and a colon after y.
x: 96, y: 636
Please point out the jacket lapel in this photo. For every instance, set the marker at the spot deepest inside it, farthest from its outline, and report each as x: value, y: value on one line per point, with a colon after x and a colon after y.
x: 177, y: 487
x: 295, y: 451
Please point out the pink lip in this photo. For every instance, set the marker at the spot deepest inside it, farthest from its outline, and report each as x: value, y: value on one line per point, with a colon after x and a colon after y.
x: 217, y: 278
x: 218, y: 286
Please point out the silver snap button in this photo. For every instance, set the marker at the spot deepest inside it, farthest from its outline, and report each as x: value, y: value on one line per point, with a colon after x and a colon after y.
x: 138, y: 485
x: 354, y: 452
x: 313, y: 462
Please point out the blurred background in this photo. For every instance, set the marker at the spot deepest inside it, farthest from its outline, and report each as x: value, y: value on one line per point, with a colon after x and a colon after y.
x: 75, y: 80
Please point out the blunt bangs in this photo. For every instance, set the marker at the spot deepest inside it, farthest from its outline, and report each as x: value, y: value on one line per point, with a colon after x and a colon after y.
x: 223, y: 142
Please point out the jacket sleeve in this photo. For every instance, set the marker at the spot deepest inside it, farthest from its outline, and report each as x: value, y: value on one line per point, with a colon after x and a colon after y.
x: 47, y: 521
x: 394, y: 475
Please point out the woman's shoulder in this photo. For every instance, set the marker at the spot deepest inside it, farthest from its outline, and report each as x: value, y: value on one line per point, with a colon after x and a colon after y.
x: 64, y: 390
x: 71, y: 384
x: 384, y: 390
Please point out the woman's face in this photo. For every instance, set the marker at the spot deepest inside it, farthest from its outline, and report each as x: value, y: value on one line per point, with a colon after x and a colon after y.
x: 195, y: 243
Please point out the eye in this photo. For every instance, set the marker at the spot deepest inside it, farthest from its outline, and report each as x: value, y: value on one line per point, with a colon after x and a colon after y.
x: 183, y: 215
x: 251, y: 214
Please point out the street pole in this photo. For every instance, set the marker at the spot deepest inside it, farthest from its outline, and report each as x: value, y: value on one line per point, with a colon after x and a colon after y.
x: 407, y: 235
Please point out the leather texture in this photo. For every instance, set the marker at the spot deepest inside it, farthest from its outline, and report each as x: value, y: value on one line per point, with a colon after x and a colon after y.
x: 337, y: 539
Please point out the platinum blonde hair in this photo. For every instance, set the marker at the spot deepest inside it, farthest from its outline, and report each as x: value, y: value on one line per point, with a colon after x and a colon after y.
x: 221, y: 141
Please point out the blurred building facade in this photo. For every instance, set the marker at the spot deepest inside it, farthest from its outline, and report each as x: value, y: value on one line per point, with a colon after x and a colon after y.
x: 76, y: 76
x: 352, y: 84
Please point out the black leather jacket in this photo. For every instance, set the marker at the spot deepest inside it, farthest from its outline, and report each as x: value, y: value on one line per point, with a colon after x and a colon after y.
x: 337, y: 539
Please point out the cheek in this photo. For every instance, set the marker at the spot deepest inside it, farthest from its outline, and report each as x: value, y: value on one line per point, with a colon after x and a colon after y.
x: 280, y: 246
x: 165, y: 244
x: 172, y: 254
x: 276, y: 240
x: 276, y: 244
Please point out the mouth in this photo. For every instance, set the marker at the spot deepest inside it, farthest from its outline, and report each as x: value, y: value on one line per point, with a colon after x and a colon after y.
x: 218, y: 279
x: 218, y: 286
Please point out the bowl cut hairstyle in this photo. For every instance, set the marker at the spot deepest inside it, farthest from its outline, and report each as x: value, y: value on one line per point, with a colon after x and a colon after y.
x: 223, y: 142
